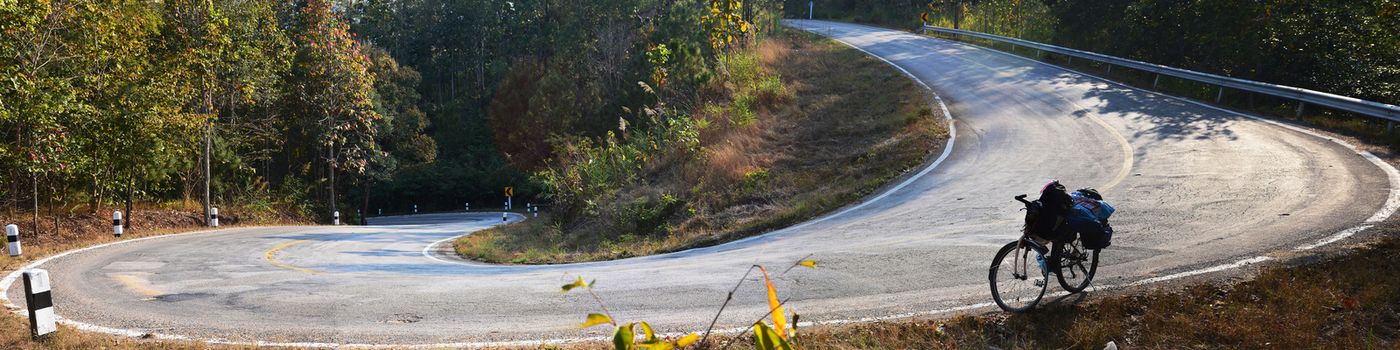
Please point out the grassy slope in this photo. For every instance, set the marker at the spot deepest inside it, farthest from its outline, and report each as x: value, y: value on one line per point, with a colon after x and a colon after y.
x: 844, y: 125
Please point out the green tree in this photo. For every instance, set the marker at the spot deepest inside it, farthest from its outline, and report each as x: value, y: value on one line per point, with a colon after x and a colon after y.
x: 331, y: 86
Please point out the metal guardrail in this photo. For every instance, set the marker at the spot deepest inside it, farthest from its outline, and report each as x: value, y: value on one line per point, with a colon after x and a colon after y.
x: 1351, y: 104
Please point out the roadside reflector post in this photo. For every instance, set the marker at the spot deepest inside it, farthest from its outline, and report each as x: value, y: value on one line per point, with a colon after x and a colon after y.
x: 1156, y: 79
x: 415, y: 209
x: 1220, y: 94
x: 335, y: 218
x: 381, y: 211
x: 214, y: 217
x: 39, y: 302
x: 117, y: 223
x: 503, y: 216
x: 12, y: 235
x: 466, y: 207
x: 510, y: 192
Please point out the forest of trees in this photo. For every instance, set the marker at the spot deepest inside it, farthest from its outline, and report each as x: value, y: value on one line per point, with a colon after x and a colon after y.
x: 1347, y: 47
x: 308, y: 105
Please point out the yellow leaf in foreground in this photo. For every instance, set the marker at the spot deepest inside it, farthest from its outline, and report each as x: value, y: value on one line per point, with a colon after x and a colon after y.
x: 575, y: 284
x: 765, y: 338
x: 687, y: 340
x: 808, y: 263
x: 775, y: 307
x: 647, y: 334
x: 595, y: 319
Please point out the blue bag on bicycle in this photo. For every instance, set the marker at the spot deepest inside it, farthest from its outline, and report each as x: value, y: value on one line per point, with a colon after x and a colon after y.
x: 1089, y: 218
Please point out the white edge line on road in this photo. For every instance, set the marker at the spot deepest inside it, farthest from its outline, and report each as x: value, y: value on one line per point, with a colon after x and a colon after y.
x: 428, y: 250
x: 1391, y: 205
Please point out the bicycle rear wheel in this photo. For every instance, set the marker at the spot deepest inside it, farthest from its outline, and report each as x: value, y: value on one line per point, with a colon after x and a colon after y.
x: 1075, y: 266
x: 1018, y: 277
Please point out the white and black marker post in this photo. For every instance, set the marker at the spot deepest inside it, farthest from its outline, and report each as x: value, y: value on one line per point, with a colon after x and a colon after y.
x: 335, y: 218
x: 117, y: 223
x: 39, y: 302
x: 415, y: 209
x: 214, y: 217
x: 12, y: 235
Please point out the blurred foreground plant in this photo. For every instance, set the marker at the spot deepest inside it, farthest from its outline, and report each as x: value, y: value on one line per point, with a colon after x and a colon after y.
x: 776, y: 337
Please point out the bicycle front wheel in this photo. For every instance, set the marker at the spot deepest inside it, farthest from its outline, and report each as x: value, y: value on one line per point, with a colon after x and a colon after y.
x: 1018, y: 277
x: 1075, y: 267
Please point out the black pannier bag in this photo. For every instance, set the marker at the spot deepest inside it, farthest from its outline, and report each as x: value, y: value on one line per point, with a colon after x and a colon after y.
x: 1046, y: 216
x: 1097, y: 237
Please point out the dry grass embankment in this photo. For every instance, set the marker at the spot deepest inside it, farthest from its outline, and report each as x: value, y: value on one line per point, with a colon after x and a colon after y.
x: 804, y: 126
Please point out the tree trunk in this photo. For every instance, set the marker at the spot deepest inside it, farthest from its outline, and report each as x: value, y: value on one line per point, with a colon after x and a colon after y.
x: 208, y: 152
x: 364, y: 206
x: 53, y: 190
x: 130, y: 192
x: 34, y: 180
x: 331, y: 168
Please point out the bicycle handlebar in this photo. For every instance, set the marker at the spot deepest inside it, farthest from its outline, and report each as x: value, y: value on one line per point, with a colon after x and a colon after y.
x: 1022, y: 199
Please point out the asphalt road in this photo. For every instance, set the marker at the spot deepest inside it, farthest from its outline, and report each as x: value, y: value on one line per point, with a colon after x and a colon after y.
x: 1194, y: 187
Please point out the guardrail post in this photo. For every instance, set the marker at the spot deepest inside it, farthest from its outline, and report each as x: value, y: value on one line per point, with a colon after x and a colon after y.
x: 39, y: 302
x: 1108, y: 71
x: 117, y: 223
x: 1389, y: 127
x: 1301, y: 105
x: 12, y: 235
x: 1220, y: 94
x: 1155, y: 79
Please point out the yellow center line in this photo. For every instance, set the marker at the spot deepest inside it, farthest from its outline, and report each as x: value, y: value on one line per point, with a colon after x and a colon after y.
x: 138, y: 285
x: 274, y: 262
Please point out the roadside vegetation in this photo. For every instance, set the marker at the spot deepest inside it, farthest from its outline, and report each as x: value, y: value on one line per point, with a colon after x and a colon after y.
x: 797, y: 127
x: 1341, y: 47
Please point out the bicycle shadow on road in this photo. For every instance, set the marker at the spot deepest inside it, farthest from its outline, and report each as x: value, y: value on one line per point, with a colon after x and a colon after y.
x: 1066, y: 300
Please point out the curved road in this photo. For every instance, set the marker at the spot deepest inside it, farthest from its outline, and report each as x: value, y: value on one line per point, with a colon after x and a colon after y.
x: 1195, y: 187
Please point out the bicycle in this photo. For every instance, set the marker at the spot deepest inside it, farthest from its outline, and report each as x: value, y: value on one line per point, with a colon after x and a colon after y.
x: 1015, y: 289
